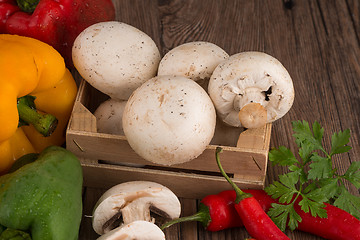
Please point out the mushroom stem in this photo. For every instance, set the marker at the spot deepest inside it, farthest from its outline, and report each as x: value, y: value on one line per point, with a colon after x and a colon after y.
x: 253, y: 115
x: 133, y: 213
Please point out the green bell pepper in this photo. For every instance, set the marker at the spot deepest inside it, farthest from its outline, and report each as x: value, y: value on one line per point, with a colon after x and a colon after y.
x: 43, y: 197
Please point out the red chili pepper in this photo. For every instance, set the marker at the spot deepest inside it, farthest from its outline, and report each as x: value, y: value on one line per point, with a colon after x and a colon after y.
x: 258, y: 224
x: 339, y: 224
x: 261, y: 196
x: 215, y: 213
x: 55, y: 22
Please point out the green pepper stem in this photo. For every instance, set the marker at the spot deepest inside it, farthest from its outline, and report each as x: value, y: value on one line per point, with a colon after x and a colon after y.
x: 27, y: 5
x: 240, y: 195
x: 43, y: 123
x: 203, y: 216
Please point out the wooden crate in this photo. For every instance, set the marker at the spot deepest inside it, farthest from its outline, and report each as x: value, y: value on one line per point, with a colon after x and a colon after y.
x: 108, y: 159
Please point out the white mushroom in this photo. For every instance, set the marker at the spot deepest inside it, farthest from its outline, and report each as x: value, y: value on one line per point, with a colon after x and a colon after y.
x: 109, y: 116
x: 132, y: 201
x: 195, y: 60
x: 250, y: 89
x: 169, y: 120
x: 137, y: 230
x: 115, y: 58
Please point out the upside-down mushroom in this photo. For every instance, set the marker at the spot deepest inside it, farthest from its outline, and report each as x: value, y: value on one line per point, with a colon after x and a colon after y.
x: 137, y: 230
x: 131, y: 201
x: 250, y: 89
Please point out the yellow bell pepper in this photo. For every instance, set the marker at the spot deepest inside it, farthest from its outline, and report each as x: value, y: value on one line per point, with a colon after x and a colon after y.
x: 31, y: 67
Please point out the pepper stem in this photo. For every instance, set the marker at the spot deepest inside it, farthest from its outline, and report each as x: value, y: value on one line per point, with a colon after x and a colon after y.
x: 43, y: 123
x: 203, y: 216
x: 27, y: 5
x: 240, y: 195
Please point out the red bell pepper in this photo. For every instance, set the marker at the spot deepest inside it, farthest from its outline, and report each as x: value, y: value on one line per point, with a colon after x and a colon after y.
x: 55, y: 22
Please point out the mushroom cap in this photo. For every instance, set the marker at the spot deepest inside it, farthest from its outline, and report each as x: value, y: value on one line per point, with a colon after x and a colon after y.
x: 115, y: 58
x: 133, y: 201
x: 109, y: 116
x: 169, y: 120
x: 195, y: 60
x: 251, y: 77
x: 137, y: 230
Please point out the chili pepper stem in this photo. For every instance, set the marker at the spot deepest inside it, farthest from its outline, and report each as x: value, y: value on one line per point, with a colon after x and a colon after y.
x: 43, y: 123
x: 203, y: 216
x: 240, y: 195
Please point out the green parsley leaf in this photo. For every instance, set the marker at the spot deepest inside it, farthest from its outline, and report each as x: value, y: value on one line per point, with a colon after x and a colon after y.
x: 315, y: 208
x: 289, y: 180
x: 304, y: 135
x: 329, y: 187
x: 294, y: 218
x: 281, y: 192
x: 314, y: 201
x: 282, y: 156
x: 318, y: 132
x: 312, y: 186
x: 281, y: 213
x: 317, y: 195
x: 339, y: 141
x: 320, y: 167
x: 353, y: 174
x: 299, y: 171
x: 348, y: 202
x: 305, y: 152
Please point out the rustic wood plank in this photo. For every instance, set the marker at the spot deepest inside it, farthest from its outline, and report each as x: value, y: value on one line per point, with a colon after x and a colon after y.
x: 353, y: 7
x: 342, y: 57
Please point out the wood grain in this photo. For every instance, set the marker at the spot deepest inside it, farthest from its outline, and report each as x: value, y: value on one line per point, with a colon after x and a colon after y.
x: 316, y: 40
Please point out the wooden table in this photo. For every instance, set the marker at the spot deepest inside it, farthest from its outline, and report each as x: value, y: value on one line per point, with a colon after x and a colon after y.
x: 318, y: 41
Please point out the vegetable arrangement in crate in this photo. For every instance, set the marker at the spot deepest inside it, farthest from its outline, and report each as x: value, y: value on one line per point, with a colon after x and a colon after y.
x: 167, y: 114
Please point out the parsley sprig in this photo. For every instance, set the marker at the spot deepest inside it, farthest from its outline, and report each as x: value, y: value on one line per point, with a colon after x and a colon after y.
x: 312, y: 179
